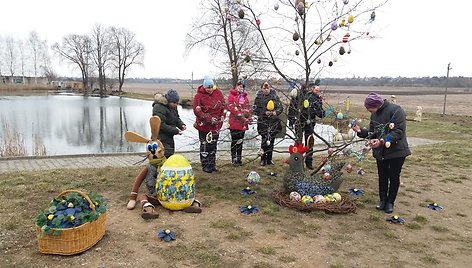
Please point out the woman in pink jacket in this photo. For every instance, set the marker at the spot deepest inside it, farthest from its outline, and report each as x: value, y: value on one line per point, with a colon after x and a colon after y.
x: 208, y: 106
x: 239, y: 119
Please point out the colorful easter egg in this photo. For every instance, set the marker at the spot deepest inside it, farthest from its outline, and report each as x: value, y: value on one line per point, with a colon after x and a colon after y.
x: 319, y: 199
x: 253, y: 178
x: 295, y: 196
x: 307, y: 199
x: 349, y: 168
x: 337, y: 197
x: 270, y: 105
x: 175, y: 183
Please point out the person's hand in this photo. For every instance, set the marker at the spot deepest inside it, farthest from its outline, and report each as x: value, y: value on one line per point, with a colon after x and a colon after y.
x: 356, y: 128
x: 214, y: 120
x: 184, y: 127
x: 375, y: 143
x: 274, y: 113
x: 268, y: 113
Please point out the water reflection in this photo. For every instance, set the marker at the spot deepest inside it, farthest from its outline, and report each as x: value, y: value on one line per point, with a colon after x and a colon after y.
x: 69, y: 125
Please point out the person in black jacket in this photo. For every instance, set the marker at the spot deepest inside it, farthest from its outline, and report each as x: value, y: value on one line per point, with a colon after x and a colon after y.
x: 387, y: 134
x: 267, y: 107
x: 165, y: 106
x: 305, y: 117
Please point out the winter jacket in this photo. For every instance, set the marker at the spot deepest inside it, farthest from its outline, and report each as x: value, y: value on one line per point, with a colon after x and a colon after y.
x: 380, y: 128
x: 170, y: 121
x: 267, y: 123
x: 240, y: 113
x: 307, y: 115
x: 209, y: 110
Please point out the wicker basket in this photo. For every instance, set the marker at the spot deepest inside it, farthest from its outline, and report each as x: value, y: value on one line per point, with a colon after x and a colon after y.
x: 344, y: 206
x: 73, y: 240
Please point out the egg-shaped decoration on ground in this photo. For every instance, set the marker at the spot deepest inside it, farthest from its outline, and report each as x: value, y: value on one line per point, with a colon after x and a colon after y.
x: 175, y: 184
x: 253, y: 178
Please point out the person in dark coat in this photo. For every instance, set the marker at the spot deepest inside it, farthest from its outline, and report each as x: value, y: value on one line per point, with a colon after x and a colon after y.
x: 165, y: 106
x: 305, y: 117
x: 209, y: 108
x: 387, y: 134
x: 267, y: 107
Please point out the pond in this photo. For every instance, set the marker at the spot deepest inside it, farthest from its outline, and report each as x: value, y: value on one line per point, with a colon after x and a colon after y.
x: 70, y: 124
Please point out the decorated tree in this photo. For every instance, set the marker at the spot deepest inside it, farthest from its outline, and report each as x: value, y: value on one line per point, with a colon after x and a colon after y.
x: 301, y: 41
x: 221, y: 26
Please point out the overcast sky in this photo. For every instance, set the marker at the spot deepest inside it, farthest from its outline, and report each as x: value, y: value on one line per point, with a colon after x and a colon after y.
x: 417, y: 37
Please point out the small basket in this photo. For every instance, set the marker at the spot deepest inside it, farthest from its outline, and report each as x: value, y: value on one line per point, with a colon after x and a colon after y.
x: 344, y: 206
x: 73, y: 240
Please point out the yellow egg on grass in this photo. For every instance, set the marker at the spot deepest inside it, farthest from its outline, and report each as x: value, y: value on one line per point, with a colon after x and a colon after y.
x: 175, y: 183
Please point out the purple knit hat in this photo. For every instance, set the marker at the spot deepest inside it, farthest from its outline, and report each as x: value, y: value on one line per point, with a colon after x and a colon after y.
x: 373, y: 101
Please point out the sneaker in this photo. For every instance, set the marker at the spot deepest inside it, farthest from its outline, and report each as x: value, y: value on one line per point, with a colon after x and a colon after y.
x: 270, y: 163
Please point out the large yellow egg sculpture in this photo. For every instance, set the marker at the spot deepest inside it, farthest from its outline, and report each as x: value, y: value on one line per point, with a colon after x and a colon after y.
x: 175, y: 183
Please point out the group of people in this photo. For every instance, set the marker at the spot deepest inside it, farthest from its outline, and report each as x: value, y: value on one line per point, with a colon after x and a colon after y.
x: 386, y: 133
x: 210, y: 106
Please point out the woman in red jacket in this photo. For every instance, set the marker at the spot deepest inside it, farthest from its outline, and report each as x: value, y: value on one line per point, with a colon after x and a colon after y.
x: 239, y: 119
x: 209, y: 109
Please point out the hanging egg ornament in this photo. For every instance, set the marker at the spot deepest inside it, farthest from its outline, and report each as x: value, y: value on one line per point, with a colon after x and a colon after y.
x: 301, y: 8
x: 319, y: 61
x: 330, y: 63
x: 327, y: 168
x: 253, y: 178
x: 297, y: 52
x: 241, y: 14
x: 328, y: 38
x: 340, y: 116
x: 295, y: 196
x: 306, y: 104
x: 349, y: 168
x: 391, y: 125
x: 388, y: 144
x: 268, y: 142
x: 334, y: 26
x: 342, y: 51
x: 372, y: 16
x: 350, y: 19
x: 318, y: 41
x: 276, y: 6
x: 293, y: 93
x: 258, y: 22
x: 346, y: 2
x: 343, y: 22
x: 346, y: 38
x: 330, y: 150
x: 270, y: 105
x: 295, y: 36
x: 247, y: 58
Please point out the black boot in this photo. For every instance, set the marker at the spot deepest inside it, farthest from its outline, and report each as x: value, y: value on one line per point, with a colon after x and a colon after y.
x: 207, y: 169
x: 380, y: 205
x: 388, y: 207
x: 269, y: 159
x: 264, y: 159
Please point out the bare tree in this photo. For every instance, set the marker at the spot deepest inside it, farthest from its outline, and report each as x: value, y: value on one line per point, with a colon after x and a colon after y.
x: 126, y: 51
x: 11, y: 56
x: 76, y: 49
x: 21, y: 49
x: 101, y: 50
x: 223, y: 28
x: 38, y: 50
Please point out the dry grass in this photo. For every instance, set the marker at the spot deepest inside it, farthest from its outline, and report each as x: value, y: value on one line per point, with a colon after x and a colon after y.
x: 13, y: 144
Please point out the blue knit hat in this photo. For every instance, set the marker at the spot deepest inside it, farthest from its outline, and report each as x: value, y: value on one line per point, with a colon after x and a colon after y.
x: 207, y: 81
x: 172, y: 96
